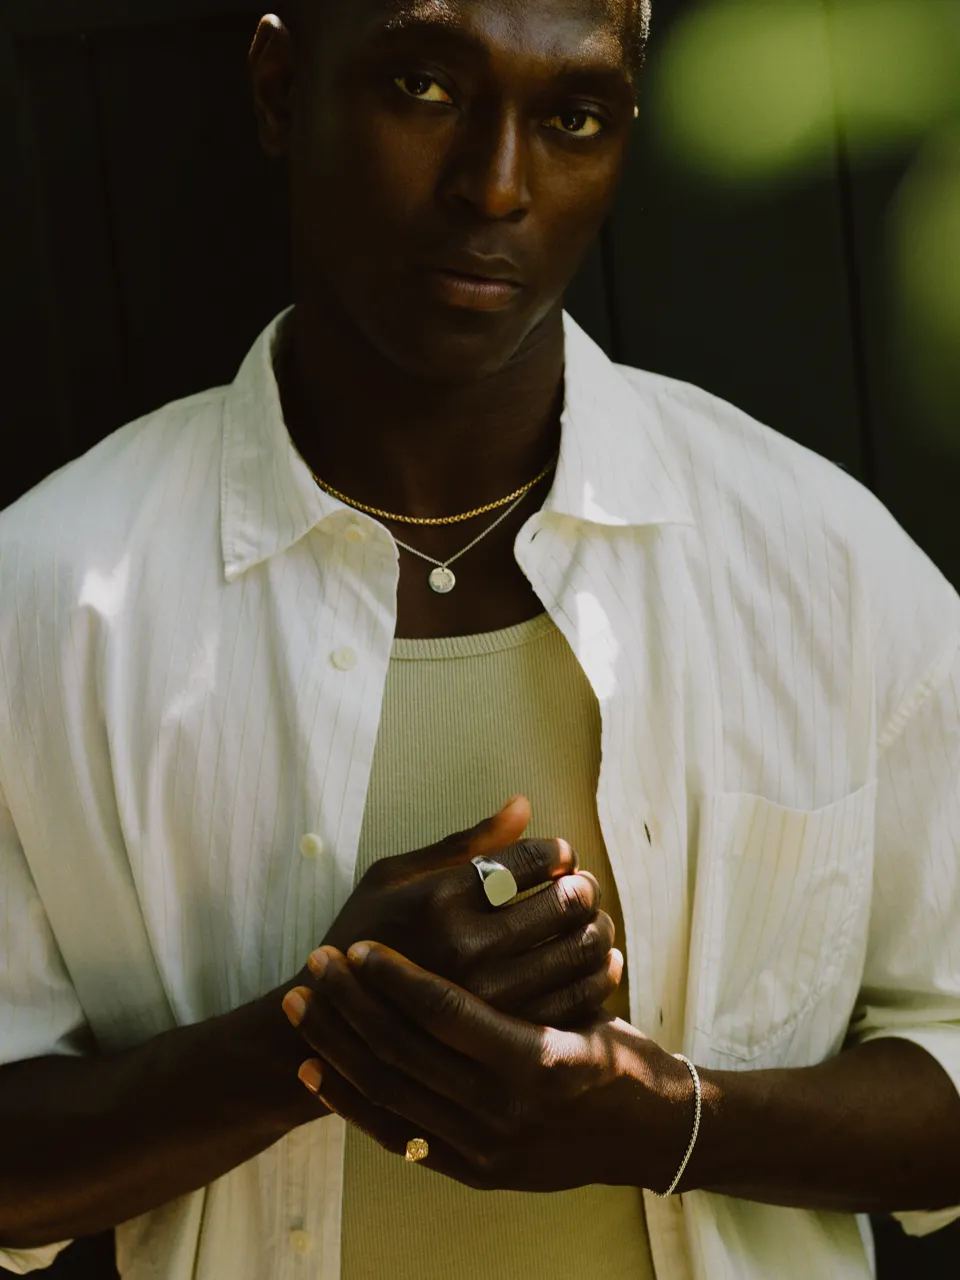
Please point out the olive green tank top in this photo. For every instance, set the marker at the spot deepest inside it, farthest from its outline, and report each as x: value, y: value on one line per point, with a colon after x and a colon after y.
x: 467, y: 723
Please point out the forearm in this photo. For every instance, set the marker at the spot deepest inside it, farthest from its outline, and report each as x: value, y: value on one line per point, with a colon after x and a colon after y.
x: 87, y: 1143
x: 876, y: 1129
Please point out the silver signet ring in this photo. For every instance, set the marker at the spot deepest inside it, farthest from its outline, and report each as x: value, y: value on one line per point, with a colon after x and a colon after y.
x: 498, y: 882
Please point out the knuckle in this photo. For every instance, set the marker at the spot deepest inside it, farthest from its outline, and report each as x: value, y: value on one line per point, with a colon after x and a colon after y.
x: 554, y: 1070
x: 462, y: 949
x: 571, y: 999
x: 457, y: 842
x: 530, y: 860
x: 574, y: 950
x: 445, y: 1003
x: 607, y: 930
x: 484, y: 984
x: 388, y: 1050
x: 592, y: 947
x: 576, y: 895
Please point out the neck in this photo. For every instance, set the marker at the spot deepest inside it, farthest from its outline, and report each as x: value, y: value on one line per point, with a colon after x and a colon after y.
x: 412, y: 446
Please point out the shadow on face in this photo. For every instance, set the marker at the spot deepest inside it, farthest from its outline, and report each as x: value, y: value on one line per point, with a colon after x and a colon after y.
x: 416, y: 133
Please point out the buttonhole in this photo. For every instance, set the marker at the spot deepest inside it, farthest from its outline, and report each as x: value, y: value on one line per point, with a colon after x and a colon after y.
x: 661, y: 1017
x: 647, y: 830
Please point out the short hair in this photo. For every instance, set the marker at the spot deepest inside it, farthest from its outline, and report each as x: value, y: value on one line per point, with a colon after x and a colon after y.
x: 298, y: 14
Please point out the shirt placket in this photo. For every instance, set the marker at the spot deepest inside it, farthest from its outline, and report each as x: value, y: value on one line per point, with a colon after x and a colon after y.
x: 338, y: 724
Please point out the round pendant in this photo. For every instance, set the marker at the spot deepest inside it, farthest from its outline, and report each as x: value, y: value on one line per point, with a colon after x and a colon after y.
x: 443, y: 581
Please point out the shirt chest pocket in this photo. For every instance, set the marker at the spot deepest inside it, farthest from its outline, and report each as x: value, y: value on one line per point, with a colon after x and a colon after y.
x: 784, y: 923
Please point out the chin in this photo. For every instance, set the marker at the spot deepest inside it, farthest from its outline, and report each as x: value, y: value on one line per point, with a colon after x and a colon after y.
x: 463, y: 348
x: 441, y: 343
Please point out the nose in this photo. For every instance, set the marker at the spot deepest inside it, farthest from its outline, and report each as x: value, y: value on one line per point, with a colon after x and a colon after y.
x: 488, y: 169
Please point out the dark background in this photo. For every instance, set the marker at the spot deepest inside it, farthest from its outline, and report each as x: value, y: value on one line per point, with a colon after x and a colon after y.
x: 145, y: 248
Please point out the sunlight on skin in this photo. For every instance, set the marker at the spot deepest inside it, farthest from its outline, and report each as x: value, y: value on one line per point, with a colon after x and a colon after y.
x: 599, y: 44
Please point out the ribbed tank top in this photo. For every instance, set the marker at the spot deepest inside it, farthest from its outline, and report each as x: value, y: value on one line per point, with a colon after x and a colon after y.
x: 468, y: 722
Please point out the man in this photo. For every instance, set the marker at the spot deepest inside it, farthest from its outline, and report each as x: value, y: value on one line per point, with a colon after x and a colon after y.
x: 239, y: 670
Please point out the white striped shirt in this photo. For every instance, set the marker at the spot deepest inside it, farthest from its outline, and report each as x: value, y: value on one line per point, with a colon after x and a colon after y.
x: 194, y: 642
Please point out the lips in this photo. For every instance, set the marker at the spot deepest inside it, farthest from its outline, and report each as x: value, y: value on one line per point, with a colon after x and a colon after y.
x: 469, y: 292
x: 477, y: 266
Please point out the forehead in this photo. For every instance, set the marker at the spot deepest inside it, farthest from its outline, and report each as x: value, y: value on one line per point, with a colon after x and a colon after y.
x: 549, y: 30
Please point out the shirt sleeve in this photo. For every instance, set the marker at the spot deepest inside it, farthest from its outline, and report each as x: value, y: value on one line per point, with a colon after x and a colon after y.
x: 40, y: 1015
x: 911, y: 984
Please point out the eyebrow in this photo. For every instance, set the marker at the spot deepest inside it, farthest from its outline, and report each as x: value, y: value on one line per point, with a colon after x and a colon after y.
x: 571, y: 74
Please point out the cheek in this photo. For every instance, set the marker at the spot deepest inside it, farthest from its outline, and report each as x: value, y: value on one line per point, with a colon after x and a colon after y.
x: 571, y: 213
x: 366, y: 196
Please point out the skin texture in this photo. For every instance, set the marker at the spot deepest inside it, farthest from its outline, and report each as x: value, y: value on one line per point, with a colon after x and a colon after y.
x: 400, y: 147
x: 414, y: 406
x: 507, y: 1104
x: 427, y: 413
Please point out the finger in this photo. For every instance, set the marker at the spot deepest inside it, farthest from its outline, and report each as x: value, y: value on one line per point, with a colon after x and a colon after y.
x: 579, y: 1000
x: 391, y: 1131
x: 502, y: 829
x: 487, y: 838
x: 448, y: 1012
x: 567, y: 906
x: 532, y: 863
x: 518, y: 980
x: 387, y: 1086
x: 399, y: 1066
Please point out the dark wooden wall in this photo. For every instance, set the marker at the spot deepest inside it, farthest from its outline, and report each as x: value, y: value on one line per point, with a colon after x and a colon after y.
x: 145, y: 247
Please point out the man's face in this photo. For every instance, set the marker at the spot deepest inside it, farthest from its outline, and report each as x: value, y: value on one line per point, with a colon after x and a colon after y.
x: 421, y: 129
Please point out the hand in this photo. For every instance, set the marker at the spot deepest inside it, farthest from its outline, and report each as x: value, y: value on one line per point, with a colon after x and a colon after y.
x: 549, y: 957
x: 504, y: 1104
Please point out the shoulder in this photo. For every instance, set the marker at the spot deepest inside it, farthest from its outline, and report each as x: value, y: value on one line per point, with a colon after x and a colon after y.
x: 798, y: 523
x: 94, y: 552
x: 131, y: 487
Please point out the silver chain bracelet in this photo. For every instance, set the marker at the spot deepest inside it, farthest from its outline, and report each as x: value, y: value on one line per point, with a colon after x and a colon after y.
x: 662, y: 1195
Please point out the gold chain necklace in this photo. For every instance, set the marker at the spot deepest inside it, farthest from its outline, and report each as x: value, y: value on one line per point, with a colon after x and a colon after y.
x: 469, y: 515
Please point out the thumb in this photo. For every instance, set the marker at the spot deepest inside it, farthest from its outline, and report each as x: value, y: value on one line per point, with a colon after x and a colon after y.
x: 487, y: 837
x: 503, y: 829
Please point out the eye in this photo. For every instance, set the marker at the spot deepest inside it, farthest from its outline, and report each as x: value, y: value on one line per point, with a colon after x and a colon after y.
x: 573, y: 122
x: 415, y: 85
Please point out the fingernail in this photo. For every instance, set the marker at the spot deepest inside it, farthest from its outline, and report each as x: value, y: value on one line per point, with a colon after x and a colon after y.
x: 318, y: 963
x: 358, y: 952
x: 509, y: 805
x: 311, y: 1075
x: 294, y: 1006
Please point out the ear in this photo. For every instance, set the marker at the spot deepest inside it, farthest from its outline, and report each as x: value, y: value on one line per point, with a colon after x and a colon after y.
x: 272, y: 61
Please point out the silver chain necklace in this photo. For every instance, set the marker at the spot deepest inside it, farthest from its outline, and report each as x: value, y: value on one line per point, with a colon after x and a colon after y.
x: 443, y: 579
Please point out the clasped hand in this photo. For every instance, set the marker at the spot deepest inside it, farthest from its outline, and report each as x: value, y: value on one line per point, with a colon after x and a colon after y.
x: 505, y: 1104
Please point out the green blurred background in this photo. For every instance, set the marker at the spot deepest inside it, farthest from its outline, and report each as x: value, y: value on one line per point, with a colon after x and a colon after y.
x: 787, y: 236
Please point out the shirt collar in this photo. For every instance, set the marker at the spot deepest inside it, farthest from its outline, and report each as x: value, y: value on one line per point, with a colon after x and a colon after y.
x: 615, y: 468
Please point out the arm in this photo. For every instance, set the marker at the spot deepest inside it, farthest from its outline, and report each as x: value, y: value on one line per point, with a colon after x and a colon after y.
x: 87, y: 1143
x: 876, y: 1129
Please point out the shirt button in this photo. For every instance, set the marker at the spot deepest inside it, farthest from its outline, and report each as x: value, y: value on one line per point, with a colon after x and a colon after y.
x: 301, y: 1242
x: 344, y: 659
x: 356, y: 534
x: 312, y: 846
